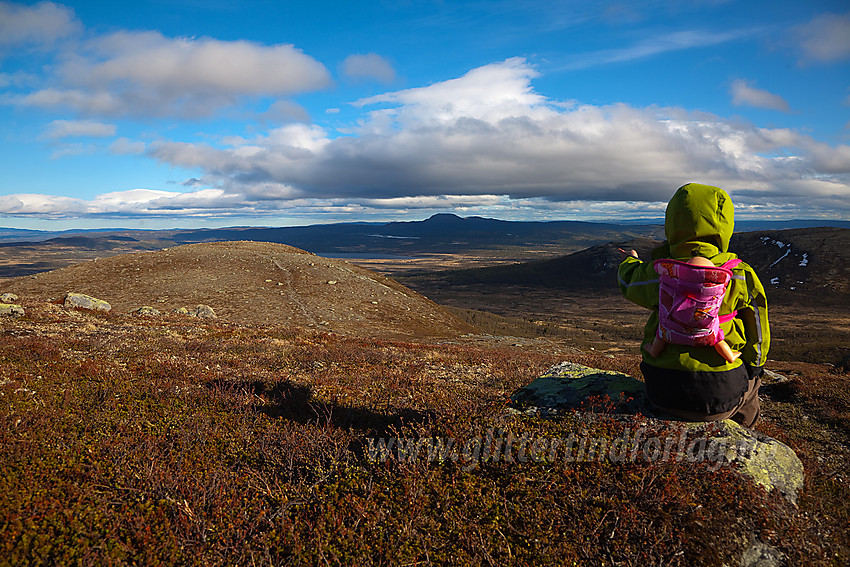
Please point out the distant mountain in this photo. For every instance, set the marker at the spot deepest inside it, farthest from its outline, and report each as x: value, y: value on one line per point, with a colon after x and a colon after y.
x: 450, y: 223
x: 20, y: 235
x: 808, y: 261
x: 754, y: 225
x: 441, y: 233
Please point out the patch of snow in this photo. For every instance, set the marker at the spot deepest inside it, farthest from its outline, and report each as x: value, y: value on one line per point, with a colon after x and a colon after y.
x: 775, y: 281
x: 780, y: 258
x: 805, y: 260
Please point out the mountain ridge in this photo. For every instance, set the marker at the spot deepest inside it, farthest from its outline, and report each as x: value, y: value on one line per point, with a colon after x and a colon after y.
x: 20, y: 235
x: 806, y: 260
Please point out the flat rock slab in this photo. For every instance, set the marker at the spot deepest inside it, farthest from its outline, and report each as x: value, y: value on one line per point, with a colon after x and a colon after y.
x: 83, y: 301
x: 570, y: 387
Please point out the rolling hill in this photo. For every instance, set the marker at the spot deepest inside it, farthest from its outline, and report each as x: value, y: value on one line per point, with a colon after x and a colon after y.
x: 439, y: 235
x: 251, y: 283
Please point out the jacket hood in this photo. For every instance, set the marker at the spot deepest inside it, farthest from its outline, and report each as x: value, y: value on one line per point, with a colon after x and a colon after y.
x: 699, y: 221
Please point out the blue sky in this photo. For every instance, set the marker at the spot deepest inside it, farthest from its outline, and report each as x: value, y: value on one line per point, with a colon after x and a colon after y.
x: 159, y: 114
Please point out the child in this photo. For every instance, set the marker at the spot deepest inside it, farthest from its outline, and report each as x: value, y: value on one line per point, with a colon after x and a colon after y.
x: 706, y: 329
x: 697, y: 383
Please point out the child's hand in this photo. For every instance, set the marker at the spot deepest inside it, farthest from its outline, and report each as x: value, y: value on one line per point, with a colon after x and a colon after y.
x: 632, y: 253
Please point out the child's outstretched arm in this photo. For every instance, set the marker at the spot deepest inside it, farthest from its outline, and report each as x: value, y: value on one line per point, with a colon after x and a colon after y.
x: 638, y: 280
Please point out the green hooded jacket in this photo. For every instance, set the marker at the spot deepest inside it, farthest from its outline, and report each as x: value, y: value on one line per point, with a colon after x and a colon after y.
x: 699, y: 222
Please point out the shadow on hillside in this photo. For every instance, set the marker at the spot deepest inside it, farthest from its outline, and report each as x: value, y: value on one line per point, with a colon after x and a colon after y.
x: 293, y: 402
x: 19, y: 270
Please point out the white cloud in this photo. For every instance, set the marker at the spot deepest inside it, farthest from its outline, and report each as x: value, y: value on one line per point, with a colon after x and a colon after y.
x: 72, y: 149
x: 132, y: 203
x: 654, y: 45
x: 488, y: 133
x: 16, y: 79
x: 486, y: 93
x: 368, y: 66
x: 830, y: 160
x: 78, y: 128
x: 434, y: 202
x: 96, y: 103
x: 743, y: 93
x: 43, y: 206
x: 148, y: 74
x: 126, y: 146
x: 487, y: 140
x: 286, y: 111
x: 42, y: 24
x: 825, y: 39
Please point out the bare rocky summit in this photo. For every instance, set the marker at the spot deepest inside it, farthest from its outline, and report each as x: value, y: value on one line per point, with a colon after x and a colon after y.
x: 251, y: 283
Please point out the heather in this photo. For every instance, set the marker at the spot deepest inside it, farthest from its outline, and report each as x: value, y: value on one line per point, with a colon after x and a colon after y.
x: 171, y: 440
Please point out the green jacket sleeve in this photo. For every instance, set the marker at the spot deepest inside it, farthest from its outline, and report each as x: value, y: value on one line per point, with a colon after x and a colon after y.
x: 754, y: 317
x: 638, y: 282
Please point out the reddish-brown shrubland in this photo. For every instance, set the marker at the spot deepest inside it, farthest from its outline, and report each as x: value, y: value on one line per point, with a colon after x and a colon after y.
x: 129, y: 440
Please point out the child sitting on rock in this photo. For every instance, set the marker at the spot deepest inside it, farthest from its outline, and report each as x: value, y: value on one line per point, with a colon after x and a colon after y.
x: 695, y: 381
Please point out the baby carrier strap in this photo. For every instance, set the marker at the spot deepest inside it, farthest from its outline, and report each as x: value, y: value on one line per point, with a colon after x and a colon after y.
x: 729, y: 265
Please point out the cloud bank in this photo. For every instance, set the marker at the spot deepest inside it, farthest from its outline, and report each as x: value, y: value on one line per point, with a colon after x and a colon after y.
x: 487, y: 139
x: 145, y: 74
x: 482, y: 141
x: 489, y: 133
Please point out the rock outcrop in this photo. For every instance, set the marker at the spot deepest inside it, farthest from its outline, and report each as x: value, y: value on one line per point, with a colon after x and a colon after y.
x: 11, y: 310
x: 82, y: 301
x: 147, y: 311
x: 204, y: 312
x: 568, y: 387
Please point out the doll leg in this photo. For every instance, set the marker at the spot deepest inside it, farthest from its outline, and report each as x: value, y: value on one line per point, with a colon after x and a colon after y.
x: 726, y: 352
x: 656, y: 346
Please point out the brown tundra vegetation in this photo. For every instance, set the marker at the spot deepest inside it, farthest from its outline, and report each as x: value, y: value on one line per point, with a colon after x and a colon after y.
x: 172, y: 440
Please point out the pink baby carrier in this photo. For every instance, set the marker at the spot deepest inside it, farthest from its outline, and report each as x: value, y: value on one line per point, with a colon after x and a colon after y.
x: 689, y: 302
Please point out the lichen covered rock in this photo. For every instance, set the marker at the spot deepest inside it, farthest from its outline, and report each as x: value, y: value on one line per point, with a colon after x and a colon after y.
x: 204, y: 312
x: 768, y: 462
x: 147, y: 311
x: 11, y: 310
x: 569, y: 387
x: 82, y: 301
